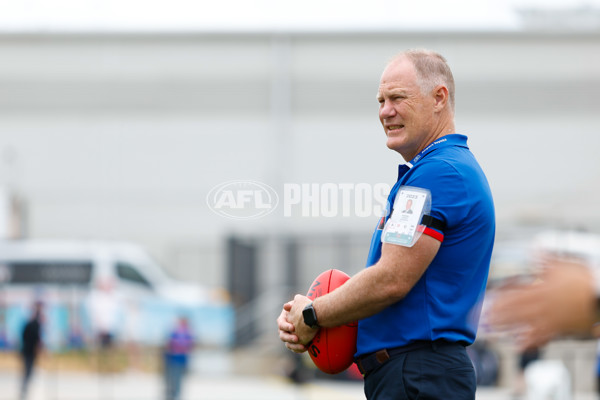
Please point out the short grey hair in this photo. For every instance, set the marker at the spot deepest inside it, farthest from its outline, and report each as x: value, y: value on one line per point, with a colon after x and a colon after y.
x: 432, y: 70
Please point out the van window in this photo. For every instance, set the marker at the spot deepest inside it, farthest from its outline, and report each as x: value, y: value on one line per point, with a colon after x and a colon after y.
x: 130, y: 274
x: 40, y: 272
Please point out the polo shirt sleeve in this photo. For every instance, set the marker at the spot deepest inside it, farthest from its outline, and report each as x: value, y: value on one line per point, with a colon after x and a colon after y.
x: 449, y: 194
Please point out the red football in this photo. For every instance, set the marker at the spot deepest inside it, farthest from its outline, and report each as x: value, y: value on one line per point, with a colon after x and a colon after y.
x: 332, y: 350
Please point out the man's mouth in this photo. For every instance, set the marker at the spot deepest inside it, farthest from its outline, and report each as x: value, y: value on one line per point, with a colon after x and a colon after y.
x: 391, y: 128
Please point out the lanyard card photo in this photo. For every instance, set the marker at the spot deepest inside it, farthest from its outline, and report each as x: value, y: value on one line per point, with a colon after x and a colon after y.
x: 403, y: 227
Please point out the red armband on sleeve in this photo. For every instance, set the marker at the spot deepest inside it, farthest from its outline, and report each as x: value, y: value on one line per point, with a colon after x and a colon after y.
x: 433, y: 227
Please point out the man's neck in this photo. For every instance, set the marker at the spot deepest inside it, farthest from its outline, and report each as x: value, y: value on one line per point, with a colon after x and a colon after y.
x: 446, y: 129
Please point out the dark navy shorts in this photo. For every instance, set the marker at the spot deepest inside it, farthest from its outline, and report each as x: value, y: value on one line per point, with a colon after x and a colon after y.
x: 431, y: 373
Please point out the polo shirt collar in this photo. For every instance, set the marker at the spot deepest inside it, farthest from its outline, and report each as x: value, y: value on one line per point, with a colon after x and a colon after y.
x: 453, y: 139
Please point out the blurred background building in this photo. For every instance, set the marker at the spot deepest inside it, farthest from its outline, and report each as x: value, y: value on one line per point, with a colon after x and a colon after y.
x: 120, y: 131
x: 122, y: 135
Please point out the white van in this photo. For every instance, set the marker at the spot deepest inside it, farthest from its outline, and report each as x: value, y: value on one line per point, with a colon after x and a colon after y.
x: 65, y: 275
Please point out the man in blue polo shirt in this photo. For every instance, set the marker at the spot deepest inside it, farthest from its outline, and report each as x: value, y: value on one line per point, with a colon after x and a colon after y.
x: 418, y: 301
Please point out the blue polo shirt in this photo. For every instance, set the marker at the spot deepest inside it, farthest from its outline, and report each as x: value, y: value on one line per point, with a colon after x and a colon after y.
x: 446, y: 302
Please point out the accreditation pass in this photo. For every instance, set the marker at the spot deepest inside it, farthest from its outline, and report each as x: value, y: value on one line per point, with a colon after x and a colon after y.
x: 403, y: 226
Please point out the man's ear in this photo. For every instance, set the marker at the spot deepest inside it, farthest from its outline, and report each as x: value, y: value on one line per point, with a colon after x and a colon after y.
x: 440, y: 94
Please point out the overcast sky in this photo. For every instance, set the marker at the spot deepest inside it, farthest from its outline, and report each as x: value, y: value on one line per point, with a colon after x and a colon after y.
x: 267, y: 15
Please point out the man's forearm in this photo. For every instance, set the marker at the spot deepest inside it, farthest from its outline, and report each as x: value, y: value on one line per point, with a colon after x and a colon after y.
x: 377, y: 287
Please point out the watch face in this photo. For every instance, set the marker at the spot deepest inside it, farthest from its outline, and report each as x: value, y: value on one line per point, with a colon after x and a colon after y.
x: 310, y: 317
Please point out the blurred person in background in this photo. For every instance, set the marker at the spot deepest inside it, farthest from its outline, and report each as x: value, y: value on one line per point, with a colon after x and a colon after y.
x: 417, y: 305
x: 104, y: 311
x: 526, y: 358
x: 31, y: 345
x: 132, y: 334
x: 176, y: 358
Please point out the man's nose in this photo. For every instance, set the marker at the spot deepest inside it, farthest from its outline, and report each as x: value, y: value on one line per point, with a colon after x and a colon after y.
x: 386, y: 110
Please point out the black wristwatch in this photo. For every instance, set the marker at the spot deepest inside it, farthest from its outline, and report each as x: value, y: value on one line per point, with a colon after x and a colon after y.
x: 310, y: 316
